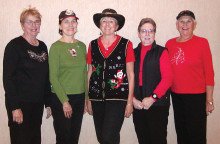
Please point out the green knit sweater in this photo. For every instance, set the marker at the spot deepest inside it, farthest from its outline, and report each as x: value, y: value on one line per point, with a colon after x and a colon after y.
x: 68, y: 69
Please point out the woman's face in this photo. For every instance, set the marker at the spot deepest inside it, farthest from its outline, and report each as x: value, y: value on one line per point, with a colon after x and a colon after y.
x: 108, y: 25
x: 147, y: 34
x: 31, y: 26
x: 69, y: 26
x: 185, y: 25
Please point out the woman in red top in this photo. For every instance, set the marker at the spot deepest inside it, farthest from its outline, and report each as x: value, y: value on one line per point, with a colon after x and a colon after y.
x: 192, y: 89
x: 153, y: 78
x: 110, y: 77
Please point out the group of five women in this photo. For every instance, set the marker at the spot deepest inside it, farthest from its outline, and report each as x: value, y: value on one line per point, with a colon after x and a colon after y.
x: 120, y: 81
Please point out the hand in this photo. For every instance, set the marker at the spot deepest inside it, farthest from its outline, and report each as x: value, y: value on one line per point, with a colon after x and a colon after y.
x: 67, y: 109
x: 49, y: 112
x: 89, y: 107
x: 17, y: 116
x: 128, y: 110
x: 137, y: 104
x: 147, y: 102
x: 209, y: 108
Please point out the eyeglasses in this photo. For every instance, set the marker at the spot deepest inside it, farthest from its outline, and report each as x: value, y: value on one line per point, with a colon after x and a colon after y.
x: 144, y: 31
x: 30, y: 22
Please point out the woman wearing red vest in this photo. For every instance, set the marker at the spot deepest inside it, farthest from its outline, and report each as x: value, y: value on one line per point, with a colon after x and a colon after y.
x: 192, y: 89
x: 153, y: 78
x: 110, y: 77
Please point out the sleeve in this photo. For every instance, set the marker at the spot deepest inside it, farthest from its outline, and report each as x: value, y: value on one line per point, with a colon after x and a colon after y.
x: 130, y: 53
x: 10, y: 65
x: 169, y: 44
x: 85, y: 80
x: 48, y: 93
x: 89, y: 56
x: 208, y: 65
x: 166, y: 75
x: 53, y: 74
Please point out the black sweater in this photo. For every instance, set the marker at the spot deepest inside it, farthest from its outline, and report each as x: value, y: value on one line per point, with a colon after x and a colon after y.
x: 25, y: 73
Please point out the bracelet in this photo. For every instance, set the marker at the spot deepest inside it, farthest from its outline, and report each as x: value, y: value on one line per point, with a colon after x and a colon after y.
x: 129, y: 104
x: 209, y: 102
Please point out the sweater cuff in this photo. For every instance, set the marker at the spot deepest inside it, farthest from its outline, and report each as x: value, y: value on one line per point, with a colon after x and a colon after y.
x: 153, y: 98
x: 13, y: 106
x: 64, y: 99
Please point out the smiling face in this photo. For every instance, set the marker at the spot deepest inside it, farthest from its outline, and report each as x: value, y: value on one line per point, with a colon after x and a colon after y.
x: 31, y: 26
x: 147, y: 34
x: 108, y: 25
x: 69, y: 26
x: 186, y: 25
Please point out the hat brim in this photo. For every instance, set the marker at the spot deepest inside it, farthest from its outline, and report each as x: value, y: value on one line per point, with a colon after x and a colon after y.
x: 120, y: 18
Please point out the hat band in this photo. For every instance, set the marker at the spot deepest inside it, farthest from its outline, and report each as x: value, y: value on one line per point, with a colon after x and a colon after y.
x: 67, y: 17
x: 109, y: 13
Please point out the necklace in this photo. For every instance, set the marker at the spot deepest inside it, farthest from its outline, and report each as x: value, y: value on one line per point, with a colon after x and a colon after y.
x: 34, y: 42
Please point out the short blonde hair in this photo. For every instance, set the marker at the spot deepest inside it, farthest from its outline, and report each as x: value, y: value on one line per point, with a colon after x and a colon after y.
x: 30, y: 11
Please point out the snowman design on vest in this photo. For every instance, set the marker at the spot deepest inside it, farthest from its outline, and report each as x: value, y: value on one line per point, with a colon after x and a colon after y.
x: 119, y: 79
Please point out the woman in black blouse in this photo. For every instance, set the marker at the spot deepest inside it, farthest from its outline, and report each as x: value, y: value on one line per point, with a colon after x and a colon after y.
x: 26, y: 82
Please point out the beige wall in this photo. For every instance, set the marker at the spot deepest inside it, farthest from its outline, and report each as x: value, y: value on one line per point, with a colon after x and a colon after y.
x: 162, y: 11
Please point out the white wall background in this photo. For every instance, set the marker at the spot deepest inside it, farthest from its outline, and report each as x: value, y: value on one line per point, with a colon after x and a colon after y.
x: 207, y: 13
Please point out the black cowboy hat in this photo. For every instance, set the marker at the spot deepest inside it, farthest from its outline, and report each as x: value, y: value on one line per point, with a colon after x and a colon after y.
x: 109, y: 13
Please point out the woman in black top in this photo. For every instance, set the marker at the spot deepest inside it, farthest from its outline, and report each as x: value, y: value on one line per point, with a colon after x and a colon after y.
x: 26, y: 82
x: 110, y: 77
x: 153, y: 78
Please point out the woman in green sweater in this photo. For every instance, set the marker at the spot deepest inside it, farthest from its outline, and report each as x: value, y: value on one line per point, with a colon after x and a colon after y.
x: 67, y: 65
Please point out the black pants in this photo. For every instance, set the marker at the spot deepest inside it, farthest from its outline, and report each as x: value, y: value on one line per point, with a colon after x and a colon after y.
x: 190, y: 118
x: 29, y: 132
x: 151, y: 125
x: 68, y: 130
x: 108, y: 119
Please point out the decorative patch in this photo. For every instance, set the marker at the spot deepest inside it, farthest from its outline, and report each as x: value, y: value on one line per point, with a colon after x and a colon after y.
x: 178, y: 57
x: 72, y: 52
x: 39, y: 57
x: 116, y: 83
x: 69, y: 12
x: 96, y: 69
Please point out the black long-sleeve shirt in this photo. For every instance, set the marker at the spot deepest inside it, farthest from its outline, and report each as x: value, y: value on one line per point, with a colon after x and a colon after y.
x: 25, y: 73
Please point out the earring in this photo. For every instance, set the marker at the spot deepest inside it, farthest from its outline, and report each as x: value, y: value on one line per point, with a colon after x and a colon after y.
x: 100, y: 32
x: 115, y: 32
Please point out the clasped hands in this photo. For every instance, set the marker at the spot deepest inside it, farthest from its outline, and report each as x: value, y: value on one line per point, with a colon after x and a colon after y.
x: 146, y: 103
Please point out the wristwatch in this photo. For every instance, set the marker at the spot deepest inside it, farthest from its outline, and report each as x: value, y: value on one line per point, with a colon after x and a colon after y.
x: 154, y: 96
